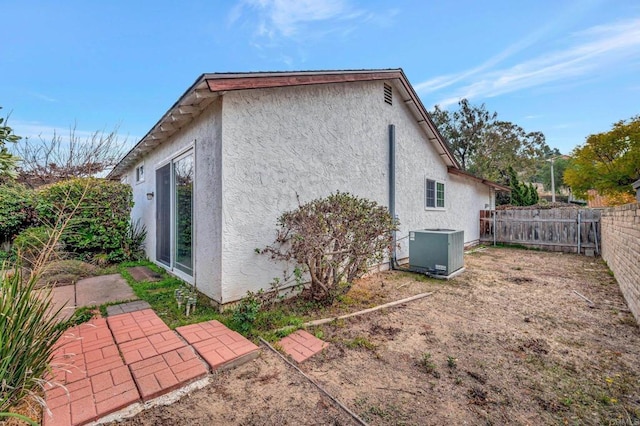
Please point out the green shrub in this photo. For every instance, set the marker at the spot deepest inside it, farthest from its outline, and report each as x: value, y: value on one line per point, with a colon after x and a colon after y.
x: 28, y: 245
x: 245, y: 313
x: 134, y: 243
x: 99, y: 215
x: 28, y: 334
x: 17, y: 210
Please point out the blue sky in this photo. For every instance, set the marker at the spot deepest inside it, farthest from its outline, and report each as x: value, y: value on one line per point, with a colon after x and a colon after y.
x: 566, y: 68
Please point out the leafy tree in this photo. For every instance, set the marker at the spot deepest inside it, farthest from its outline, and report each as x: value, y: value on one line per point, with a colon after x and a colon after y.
x: 464, y: 129
x: 507, y: 145
x: 521, y: 194
x: 608, y: 162
x: 335, y: 239
x: 8, y: 161
x: 486, y: 146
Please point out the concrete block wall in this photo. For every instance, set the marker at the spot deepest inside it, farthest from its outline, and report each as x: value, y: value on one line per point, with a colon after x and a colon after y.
x: 621, y: 250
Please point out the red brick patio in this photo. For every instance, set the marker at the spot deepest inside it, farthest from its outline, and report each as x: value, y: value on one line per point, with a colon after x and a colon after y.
x: 108, y: 364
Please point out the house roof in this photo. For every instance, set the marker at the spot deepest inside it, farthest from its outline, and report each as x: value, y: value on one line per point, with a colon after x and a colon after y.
x: 492, y: 184
x: 208, y: 87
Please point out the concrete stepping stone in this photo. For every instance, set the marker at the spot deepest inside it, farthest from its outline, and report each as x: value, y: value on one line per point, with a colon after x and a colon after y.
x: 63, y: 298
x: 302, y: 345
x: 220, y: 347
x: 163, y: 373
x: 142, y: 273
x: 103, y: 289
x: 135, y: 325
x: 125, y: 308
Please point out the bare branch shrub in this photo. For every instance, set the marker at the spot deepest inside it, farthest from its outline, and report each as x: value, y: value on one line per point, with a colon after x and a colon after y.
x: 335, y: 240
x: 45, y: 161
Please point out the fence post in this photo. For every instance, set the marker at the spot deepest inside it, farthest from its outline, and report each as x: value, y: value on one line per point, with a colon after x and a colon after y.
x: 493, y: 213
x: 579, y: 230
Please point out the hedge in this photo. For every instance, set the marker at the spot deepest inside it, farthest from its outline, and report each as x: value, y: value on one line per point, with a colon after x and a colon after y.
x: 98, y: 225
x: 17, y: 210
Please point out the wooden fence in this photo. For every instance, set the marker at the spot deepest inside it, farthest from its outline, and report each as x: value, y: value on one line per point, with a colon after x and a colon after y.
x: 568, y: 230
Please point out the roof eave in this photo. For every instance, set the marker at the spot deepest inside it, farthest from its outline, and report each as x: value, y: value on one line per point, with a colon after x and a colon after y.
x: 209, y: 86
x: 490, y: 183
x: 191, y: 104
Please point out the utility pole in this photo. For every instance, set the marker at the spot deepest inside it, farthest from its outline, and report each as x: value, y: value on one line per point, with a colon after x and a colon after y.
x: 553, y: 182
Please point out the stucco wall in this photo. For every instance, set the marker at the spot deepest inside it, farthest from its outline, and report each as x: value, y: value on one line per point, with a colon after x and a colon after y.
x: 621, y: 250
x: 204, y: 134
x: 311, y: 141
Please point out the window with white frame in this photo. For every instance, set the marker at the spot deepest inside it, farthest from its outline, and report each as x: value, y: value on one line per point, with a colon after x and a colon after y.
x: 140, y: 173
x: 434, y: 198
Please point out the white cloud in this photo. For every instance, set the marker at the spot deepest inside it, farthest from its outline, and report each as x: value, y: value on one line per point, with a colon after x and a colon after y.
x: 43, y: 97
x: 589, y: 52
x: 277, y: 21
x: 285, y: 17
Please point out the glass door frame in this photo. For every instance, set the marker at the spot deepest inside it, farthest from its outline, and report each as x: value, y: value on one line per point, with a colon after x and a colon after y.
x: 187, y: 151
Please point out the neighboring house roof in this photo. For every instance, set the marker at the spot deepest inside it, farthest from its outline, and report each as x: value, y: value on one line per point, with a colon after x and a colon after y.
x: 494, y: 185
x: 210, y: 86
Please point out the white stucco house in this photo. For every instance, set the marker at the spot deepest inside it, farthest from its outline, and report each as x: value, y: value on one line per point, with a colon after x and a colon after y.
x: 236, y: 150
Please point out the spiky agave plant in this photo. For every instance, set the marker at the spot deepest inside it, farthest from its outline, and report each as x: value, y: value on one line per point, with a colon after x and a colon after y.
x: 29, y: 331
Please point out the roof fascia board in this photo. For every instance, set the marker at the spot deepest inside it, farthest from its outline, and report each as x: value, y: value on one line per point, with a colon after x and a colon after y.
x: 287, y: 80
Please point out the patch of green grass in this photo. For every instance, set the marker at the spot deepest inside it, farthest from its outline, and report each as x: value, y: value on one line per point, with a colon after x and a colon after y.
x: 360, y: 343
x: 587, y: 395
x: 369, y: 410
x: 82, y: 315
x: 452, y: 362
x: 161, y: 296
x: 427, y: 364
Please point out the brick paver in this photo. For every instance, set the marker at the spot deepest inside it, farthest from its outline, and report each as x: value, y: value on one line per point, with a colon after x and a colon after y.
x: 302, y: 345
x: 134, y: 325
x: 105, y: 365
x: 96, y: 379
x: 220, y: 347
x: 163, y: 373
x: 150, y: 346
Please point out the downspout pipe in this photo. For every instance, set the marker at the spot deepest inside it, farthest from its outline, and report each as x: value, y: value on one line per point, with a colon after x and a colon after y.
x: 392, y: 191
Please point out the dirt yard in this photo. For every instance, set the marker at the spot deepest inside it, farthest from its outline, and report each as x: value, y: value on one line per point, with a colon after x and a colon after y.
x: 506, y: 342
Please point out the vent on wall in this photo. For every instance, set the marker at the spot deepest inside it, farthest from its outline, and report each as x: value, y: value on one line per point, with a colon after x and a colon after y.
x: 388, y: 94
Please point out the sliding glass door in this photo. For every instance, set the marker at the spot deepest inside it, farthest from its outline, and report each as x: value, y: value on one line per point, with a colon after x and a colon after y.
x: 183, y: 188
x: 163, y: 215
x: 174, y: 214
